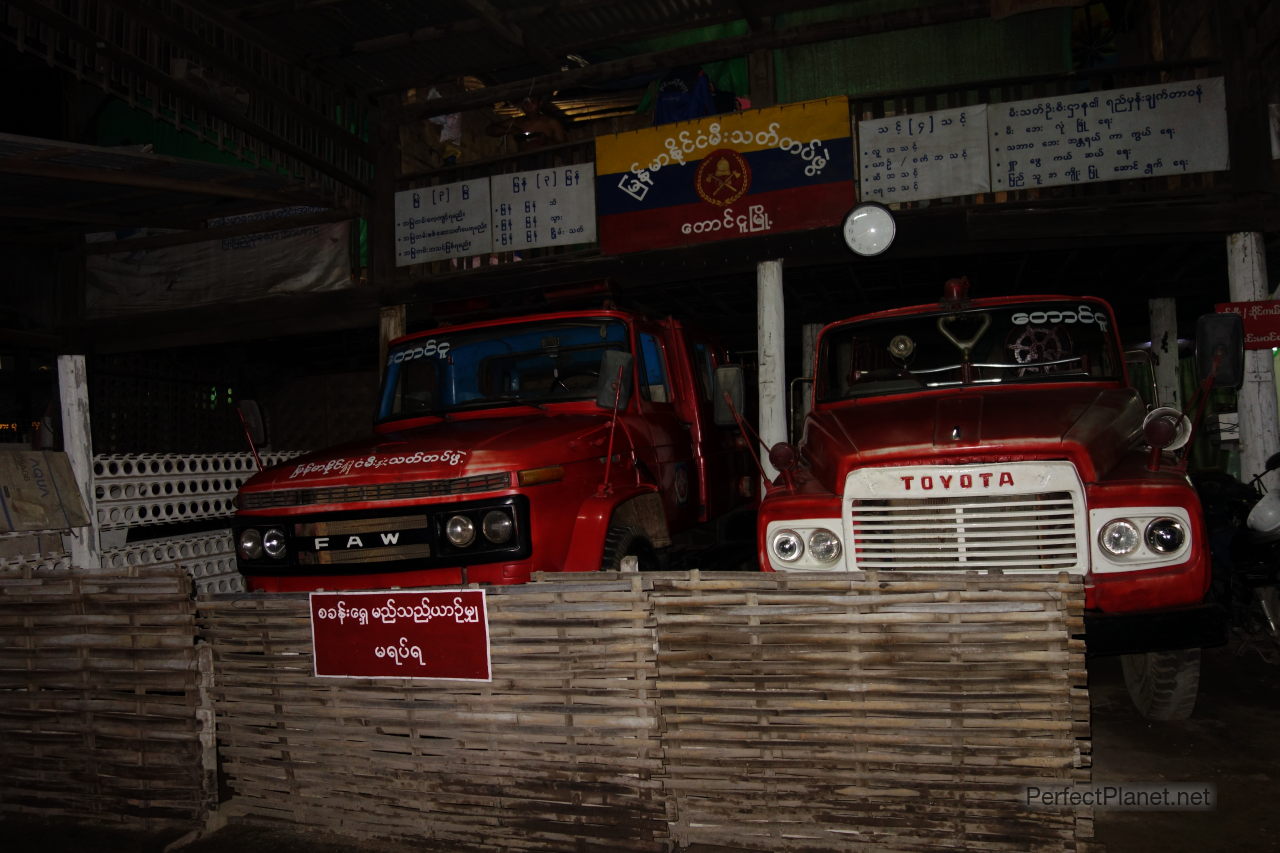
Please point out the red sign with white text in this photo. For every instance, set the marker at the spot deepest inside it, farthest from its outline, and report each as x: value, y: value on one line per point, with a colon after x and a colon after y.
x: 432, y: 633
x: 1261, y: 322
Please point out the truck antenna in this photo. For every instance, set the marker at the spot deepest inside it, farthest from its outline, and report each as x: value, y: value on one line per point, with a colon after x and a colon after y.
x: 748, y: 434
x: 606, y: 488
x: 248, y: 436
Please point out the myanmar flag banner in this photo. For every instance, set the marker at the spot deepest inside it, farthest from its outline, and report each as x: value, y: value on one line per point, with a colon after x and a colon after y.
x: 724, y: 177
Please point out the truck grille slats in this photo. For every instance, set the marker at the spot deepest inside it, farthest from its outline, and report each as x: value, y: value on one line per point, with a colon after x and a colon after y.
x: 1031, y: 531
x: 378, y: 492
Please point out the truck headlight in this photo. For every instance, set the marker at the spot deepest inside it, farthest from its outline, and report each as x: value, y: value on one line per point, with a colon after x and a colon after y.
x: 249, y: 545
x: 1165, y: 535
x: 460, y: 531
x: 497, y: 527
x: 273, y: 542
x: 788, y: 546
x: 1118, y: 537
x: 824, y: 546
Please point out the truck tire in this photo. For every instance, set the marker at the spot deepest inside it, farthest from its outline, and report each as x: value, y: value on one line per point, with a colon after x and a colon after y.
x: 1163, y: 685
x: 626, y: 541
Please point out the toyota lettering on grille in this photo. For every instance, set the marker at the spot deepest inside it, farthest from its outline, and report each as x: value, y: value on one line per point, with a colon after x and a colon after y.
x: 949, y: 482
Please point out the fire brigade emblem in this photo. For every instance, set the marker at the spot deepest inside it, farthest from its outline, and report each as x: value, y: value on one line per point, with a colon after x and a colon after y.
x: 723, y: 177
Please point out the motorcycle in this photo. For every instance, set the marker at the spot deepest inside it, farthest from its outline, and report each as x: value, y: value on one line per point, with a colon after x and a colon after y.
x: 1243, y: 520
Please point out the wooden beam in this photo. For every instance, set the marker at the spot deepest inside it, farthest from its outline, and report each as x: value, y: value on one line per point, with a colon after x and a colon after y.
x: 73, y: 214
x: 509, y: 31
x: 20, y: 166
x: 221, y: 232
x: 941, y: 13
x: 91, y: 42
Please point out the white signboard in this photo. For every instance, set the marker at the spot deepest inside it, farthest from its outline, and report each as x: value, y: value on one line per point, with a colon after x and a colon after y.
x: 924, y: 155
x: 548, y: 207
x: 1143, y: 132
x: 448, y: 221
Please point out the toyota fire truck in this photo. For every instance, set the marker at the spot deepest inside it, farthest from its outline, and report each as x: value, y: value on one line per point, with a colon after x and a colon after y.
x: 1002, y: 434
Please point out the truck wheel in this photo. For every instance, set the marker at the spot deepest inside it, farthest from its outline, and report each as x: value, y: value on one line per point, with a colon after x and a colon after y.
x: 1163, y: 685
x: 625, y: 541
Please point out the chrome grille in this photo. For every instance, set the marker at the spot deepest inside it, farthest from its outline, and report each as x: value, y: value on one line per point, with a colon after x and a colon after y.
x: 1009, y: 516
x: 378, y: 492
x: 1031, y: 532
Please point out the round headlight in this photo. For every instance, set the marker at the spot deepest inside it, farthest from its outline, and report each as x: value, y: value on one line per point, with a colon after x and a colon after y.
x: 273, y: 543
x: 249, y: 547
x: 1118, y: 537
x: 497, y: 527
x: 1165, y: 535
x: 824, y: 546
x: 460, y: 531
x: 787, y: 545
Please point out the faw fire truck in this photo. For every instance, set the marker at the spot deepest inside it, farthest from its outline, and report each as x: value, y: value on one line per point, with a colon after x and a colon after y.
x: 1002, y: 434
x: 569, y: 441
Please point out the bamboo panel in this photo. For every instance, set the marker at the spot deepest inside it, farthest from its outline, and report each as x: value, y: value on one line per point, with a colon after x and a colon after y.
x: 560, y: 750
x: 899, y: 712
x: 865, y: 712
x: 99, y: 696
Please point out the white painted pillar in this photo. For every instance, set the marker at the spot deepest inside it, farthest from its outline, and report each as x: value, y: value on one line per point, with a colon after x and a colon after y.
x: 77, y: 441
x: 1164, y: 350
x: 1259, y: 428
x: 771, y: 340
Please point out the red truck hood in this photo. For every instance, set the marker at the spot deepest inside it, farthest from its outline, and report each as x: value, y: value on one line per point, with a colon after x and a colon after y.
x: 452, y: 448
x: 1093, y: 427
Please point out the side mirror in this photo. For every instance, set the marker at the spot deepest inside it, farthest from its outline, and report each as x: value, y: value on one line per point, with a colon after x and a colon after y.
x: 1220, y: 349
x: 614, y: 365
x: 729, y: 380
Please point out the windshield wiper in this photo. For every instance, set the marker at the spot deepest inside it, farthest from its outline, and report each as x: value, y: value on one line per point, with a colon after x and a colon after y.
x: 491, y: 402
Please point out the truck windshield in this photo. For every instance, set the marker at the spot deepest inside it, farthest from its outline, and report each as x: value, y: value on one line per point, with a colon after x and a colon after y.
x: 498, y: 366
x: 1034, y: 342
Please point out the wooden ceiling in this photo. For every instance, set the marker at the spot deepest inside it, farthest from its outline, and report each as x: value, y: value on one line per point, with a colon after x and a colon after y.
x: 301, y: 88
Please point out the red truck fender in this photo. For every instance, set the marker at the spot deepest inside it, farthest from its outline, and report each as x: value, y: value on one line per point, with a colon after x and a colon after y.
x: 639, y: 506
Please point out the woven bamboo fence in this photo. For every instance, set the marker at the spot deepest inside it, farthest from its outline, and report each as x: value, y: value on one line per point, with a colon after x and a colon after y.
x: 641, y: 712
x: 559, y: 750
x: 100, y: 698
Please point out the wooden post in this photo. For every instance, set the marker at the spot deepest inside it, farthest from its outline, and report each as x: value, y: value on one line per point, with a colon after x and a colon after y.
x: 761, y: 78
x: 386, y: 171
x: 391, y: 325
x: 77, y: 441
x: 1259, y: 430
x: 1164, y: 350
x: 808, y: 350
x: 771, y: 338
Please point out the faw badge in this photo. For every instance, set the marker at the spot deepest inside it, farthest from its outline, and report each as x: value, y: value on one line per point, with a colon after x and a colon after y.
x: 723, y: 177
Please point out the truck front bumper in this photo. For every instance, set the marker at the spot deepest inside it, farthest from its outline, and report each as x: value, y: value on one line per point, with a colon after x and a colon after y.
x: 1200, y: 627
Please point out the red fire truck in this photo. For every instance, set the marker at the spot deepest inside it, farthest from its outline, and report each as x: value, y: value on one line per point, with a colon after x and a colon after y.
x: 568, y: 441
x: 1003, y: 434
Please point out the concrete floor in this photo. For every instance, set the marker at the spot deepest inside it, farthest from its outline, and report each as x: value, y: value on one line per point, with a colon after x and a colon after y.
x: 1232, y: 742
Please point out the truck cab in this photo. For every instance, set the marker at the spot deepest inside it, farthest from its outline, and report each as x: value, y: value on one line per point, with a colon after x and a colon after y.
x: 999, y: 435
x: 568, y: 441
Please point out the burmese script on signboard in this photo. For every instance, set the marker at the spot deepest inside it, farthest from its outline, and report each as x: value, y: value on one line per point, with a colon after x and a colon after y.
x: 1141, y: 132
x: 547, y: 207
x: 424, y: 634
x: 924, y: 155
x: 447, y: 221
x: 1261, y: 322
